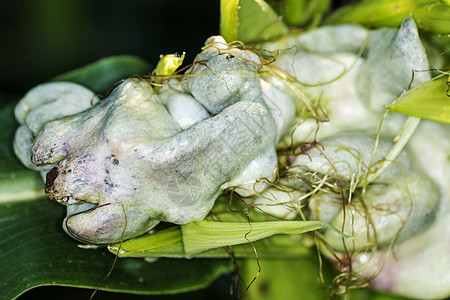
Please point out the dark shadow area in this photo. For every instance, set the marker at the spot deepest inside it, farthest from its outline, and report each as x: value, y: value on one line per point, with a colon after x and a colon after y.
x: 43, y: 38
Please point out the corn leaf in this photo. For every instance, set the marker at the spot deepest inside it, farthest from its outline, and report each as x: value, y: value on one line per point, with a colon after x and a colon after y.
x: 34, y: 251
x: 17, y: 183
x: 429, y: 100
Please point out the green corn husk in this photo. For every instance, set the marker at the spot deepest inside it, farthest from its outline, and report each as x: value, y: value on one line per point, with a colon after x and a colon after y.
x: 229, y: 21
x: 430, y: 15
x: 169, y: 243
x: 301, y: 12
x: 205, y: 238
x: 434, y: 17
x: 249, y: 20
x: 429, y: 100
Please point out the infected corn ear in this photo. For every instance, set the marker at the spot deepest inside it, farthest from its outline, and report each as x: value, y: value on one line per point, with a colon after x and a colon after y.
x: 132, y: 160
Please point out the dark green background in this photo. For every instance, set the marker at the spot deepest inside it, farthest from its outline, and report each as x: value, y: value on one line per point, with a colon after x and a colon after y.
x: 43, y: 38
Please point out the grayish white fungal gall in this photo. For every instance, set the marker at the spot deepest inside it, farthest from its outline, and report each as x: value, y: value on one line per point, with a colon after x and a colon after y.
x: 44, y: 103
x: 137, y: 158
x: 401, y: 202
x: 183, y: 108
x: 222, y: 76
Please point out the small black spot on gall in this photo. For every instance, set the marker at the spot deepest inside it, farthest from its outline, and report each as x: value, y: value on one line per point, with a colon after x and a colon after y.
x: 50, y: 179
x: 107, y: 182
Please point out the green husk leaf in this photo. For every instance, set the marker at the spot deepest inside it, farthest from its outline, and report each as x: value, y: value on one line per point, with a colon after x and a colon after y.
x: 166, y: 243
x: 434, y: 17
x: 229, y: 21
x: 300, y: 12
x: 169, y: 243
x: 258, y: 21
x: 249, y: 20
x: 429, y: 100
x: 205, y: 235
x: 100, y: 75
x: 430, y: 15
x: 207, y: 238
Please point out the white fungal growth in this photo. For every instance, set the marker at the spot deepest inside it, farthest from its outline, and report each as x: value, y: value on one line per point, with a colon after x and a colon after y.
x: 137, y: 158
x: 183, y: 107
x: 44, y: 103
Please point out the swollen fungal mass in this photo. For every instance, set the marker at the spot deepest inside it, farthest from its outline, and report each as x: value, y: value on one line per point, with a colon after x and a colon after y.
x: 137, y: 158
